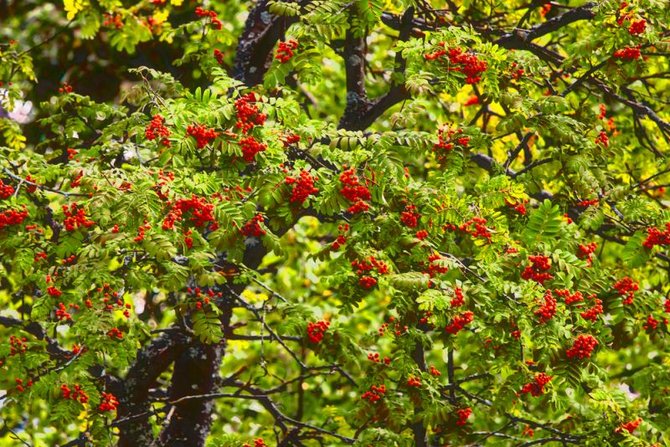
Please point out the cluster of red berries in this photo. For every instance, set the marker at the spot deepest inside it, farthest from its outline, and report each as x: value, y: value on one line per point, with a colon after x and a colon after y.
x: 75, y: 217
x: 285, y: 50
x: 375, y: 393
x: 341, y: 239
x: 447, y: 138
x: 250, y: 147
x: 582, y: 347
x: 110, y: 298
x: 197, y: 292
x: 248, y: 114
x: 20, y: 384
x: 602, y: 111
x: 458, y: 299
x: 367, y: 282
x: 463, y: 415
x: 467, y: 63
x: 76, y: 181
x: 6, y: 191
x: 569, y: 298
x: 410, y: 217
x: 544, y: 10
x: 376, y: 358
x: 253, y: 228
x: 398, y: 329
x: 115, y: 333
x: 459, y: 322
x: 303, y: 187
x: 290, y: 139
x: 316, y: 330
x: 548, y: 309
x: 109, y: 402
x: 53, y: 291
x: 76, y: 349
x: 602, y: 139
x: 365, y: 267
x: 203, y: 136
x: 436, y: 265
x: 656, y: 236
x: 627, y: 288
x: 12, y: 217
x: 585, y: 251
x: 188, y: 240
x: 517, y: 73
x: 651, y: 324
x: 141, y: 231
x: 233, y: 193
x: 536, y: 388
x: 65, y: 88
x: 257, y: 443
x: 434, y: 371
x: 157, y: 129
x: 76, y: 394
x: 218, y: 55
x: 591, y: 314
x: 125, y: 186
x: 628, y: 53
x: 630, y: 426
x: 471, y: 101
x: 413, y: 382
x: 519, y: 207
x: 528, y: 430
x: 17, y: 345
x: 637, y: 27
x: 666, y: 305
x: 201, y: 212
x: 475, y: 227
x: 538, y: 270
x: 202, y: 12
x: 62, y: 311
x: 587, y: 203
x: 112, y: 20
x: 354, y: 191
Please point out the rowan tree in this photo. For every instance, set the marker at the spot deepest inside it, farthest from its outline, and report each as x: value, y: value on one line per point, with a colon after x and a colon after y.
x: 334, y: 222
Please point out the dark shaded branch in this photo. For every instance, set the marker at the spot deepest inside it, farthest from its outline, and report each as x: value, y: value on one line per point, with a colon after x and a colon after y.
x: 419, y: 430
x: 36, y: 330
x: 584, y: 12
x: 254, y: 51
x: 354, y: 61
x: 196, y: 370
x: 259, y: 395
x: 134, y: 392
x: 360, y: 112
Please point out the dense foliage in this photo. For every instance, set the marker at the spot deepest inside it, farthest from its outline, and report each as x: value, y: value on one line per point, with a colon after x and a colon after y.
x: 334, y: 222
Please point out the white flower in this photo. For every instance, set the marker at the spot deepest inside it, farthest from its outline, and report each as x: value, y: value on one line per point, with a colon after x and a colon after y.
x: 23, y: 112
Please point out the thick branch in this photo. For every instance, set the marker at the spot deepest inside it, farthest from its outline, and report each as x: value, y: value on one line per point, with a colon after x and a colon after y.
x: 134, y: 394
x: 196, y: 370
x: 354, y: 61
x: 360, y: 112
x: 254, y: 50
x: 35, y: 329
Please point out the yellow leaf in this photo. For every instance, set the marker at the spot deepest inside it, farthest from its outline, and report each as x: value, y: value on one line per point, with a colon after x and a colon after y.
x: 73, y: 7
x: 176, y: 2
x: 160, y: 17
